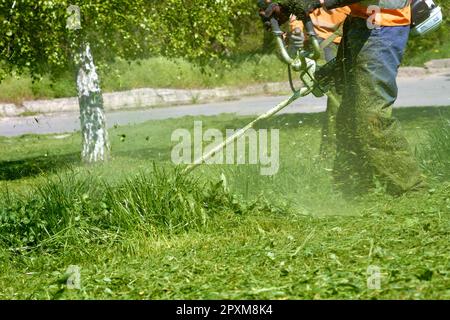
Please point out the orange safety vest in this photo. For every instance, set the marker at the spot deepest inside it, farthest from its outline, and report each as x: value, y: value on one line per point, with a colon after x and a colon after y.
x: 386, y: 17
x: 326, y: 23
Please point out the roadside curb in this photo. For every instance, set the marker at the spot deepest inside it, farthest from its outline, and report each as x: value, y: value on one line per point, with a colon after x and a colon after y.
x: 148, y: 98
x: 145, y: 98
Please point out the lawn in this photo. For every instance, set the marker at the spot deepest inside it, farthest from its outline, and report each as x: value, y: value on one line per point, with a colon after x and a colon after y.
x: 140, y: 229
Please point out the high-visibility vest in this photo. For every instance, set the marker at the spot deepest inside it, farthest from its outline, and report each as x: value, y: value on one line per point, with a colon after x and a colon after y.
x: 386, y: 13
x: 326, y: 22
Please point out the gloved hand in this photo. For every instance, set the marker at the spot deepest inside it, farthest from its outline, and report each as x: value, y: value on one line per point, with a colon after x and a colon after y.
x: 300, y: 8
x: 269, y: 9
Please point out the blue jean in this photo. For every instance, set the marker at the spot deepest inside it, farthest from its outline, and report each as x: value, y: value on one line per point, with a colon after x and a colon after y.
x: 370, y: 144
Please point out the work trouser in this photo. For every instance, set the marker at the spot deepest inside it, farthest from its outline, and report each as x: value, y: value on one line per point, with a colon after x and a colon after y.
x: 370, y: 145
x: 328, y: 143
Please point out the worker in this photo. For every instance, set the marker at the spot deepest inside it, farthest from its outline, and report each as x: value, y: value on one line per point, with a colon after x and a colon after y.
x: 371, y: 149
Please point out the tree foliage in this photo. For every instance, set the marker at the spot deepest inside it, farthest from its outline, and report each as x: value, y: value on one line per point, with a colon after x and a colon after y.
x: 34, y: 35
x: 203, y: 29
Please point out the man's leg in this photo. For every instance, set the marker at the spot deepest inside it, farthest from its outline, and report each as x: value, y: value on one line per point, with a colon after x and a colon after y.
x: 328, y: 144
x: 347, y: 153
x: 370, y: 143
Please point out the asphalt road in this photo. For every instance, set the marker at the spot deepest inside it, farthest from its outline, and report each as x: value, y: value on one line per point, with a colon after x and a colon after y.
x: 432, y: 90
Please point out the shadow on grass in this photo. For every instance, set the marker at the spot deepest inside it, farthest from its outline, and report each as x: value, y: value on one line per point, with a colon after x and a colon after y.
x: 18, y: 169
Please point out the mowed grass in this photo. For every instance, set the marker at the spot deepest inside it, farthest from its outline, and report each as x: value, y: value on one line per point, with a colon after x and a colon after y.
x: 139, y: 229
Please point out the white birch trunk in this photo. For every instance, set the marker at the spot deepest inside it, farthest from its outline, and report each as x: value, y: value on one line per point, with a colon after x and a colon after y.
x: 96, y: 145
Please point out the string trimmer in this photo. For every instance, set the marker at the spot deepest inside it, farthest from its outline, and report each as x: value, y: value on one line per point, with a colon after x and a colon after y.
x: 303, y: 60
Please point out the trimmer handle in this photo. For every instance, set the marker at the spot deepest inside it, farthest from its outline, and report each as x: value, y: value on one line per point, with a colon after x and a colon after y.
x: 275, y: 26
x: 312, y: 35
x: 276, y: 30
x: 309, y: 28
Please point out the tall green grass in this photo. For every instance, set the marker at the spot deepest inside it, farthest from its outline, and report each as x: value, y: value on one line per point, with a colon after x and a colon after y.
x: 436, y: 151
x: 167, y: 201
x: 157, y: 72
x: 76, y: 210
